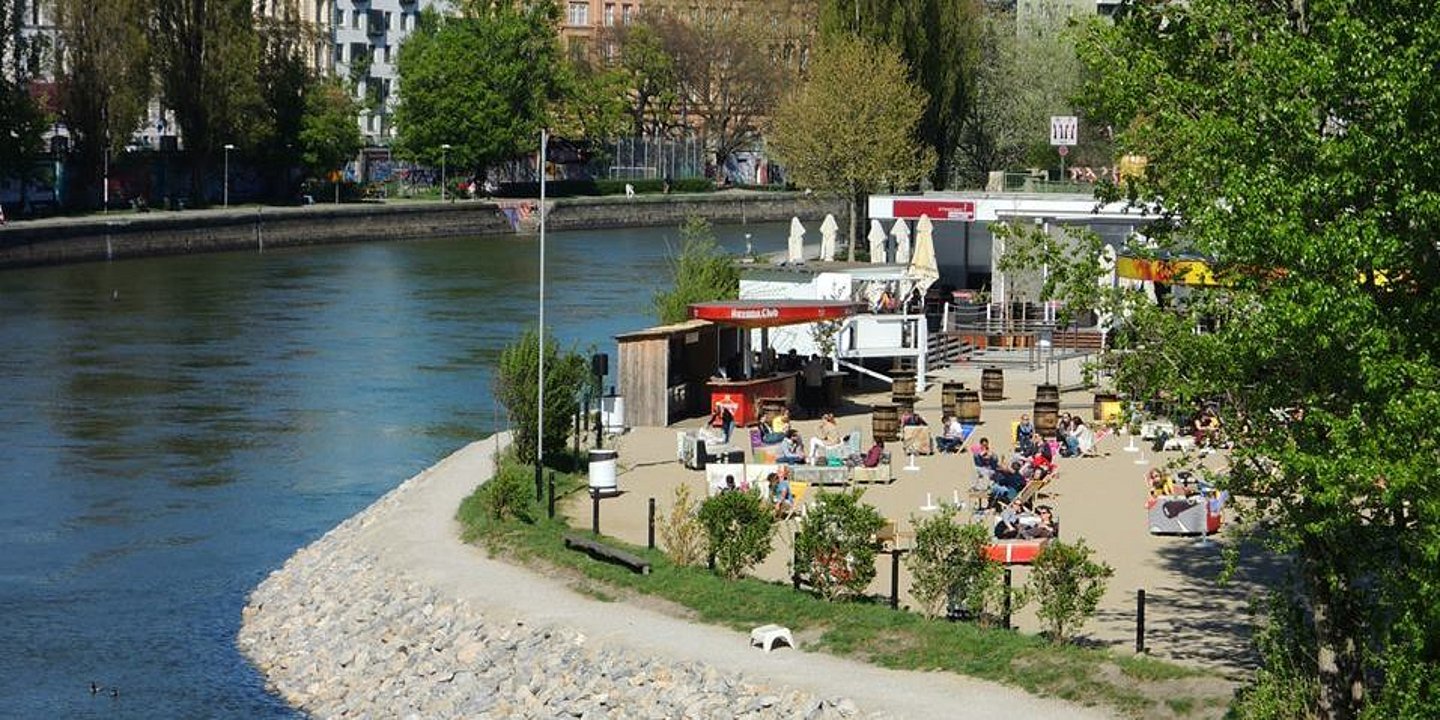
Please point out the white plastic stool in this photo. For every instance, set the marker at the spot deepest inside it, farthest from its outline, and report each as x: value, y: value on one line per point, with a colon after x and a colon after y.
x: 766, y: 635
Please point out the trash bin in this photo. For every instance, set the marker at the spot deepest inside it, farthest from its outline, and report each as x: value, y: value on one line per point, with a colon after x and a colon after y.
x: 602, y: 471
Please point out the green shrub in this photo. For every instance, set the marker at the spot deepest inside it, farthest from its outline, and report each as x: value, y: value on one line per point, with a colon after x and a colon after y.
x: 949, y: 567
x: 835, y: 547
x: 680, y: 532
x: 703, y: 271
x: 1067, y: 585
x: 738, y: 526
x: 566, y: 374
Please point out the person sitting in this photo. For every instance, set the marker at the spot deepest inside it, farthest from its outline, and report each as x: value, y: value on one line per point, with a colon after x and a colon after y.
x: 985, y: 461
x: 1159, y: 483
x: 1207, y: 425
x: 912, y: 419
x: 827, y: 437
x: 953, y: 437
x: 729, y: 485
x: 1006, y: 484
x: 1081, y: 438
x: 772, y: 429
x: 1039, y: 526
x: 780, y: 491
x: 874, y: 455
x: 1025, y: 436
x: 1007, y: 526
x: 792, y: 450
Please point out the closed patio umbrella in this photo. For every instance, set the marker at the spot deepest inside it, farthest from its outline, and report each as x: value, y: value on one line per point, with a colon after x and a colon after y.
x: 796, y: 249
x: 901, y: 231
x: 828, y: 229
x: 877, y: 242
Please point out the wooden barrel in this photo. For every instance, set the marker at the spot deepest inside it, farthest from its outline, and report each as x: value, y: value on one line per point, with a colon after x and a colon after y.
x: 949, y: 393
x: 1047, y: 392
x: 904, y: 384
x: 967, y: 406
x: 885, y: 420
x: 1047, y: 416
x: 992, y: 384
x: 1107, y: 408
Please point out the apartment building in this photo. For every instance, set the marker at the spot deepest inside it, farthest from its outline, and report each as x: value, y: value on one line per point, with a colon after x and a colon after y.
x: 367, y: 41
x: 314, y: 19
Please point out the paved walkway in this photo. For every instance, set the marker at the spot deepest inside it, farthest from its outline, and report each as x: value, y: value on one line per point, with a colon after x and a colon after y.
x: 419, y: 538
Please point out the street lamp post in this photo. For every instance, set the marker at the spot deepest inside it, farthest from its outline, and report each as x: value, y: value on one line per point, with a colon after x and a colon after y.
x: 444, y: 151
x: 226, y: 198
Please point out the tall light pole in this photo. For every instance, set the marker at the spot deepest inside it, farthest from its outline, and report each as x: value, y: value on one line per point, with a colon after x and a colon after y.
x: 540, y: 428
x: 228, y: 148
x: 444, y: 151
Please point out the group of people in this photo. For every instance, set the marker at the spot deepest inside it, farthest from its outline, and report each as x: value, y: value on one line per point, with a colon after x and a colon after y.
x: 780, y: 495
x: 1016, y: 523
x: 1007, y: 479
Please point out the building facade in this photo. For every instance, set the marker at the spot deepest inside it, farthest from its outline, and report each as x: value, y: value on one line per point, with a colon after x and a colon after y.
x: 366, y: 47
x: 315, y: 19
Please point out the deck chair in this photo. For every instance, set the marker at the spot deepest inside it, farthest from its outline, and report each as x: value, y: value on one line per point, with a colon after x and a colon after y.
x: 1032, y: 489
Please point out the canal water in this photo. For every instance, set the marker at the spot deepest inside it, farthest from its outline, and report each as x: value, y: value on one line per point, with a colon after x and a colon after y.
x: 172, y: 429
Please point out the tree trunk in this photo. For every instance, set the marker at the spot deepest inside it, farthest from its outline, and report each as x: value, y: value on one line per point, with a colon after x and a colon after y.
x: 1342, y: 689
x: 854, y: 217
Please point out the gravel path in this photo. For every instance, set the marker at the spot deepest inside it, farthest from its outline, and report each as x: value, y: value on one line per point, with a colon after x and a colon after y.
x: 391, y: 615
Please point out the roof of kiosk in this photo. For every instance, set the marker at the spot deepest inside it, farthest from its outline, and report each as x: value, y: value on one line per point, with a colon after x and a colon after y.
x: 770, y: 313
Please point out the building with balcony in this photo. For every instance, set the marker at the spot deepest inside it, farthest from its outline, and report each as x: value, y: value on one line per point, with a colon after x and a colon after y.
x: 366, y: 45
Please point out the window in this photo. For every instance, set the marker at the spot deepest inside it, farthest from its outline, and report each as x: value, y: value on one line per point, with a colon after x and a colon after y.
x: 578, y: 13
x: 609, y: 14
x: 385, y: 53
x: 339, y: 53
x: 625, y: 14
x: 404, y: 21
x: 355, y: 19
x: 339, y: 18
x: 389, y: 21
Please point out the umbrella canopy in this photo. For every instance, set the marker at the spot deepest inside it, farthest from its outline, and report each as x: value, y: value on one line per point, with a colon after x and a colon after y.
x: 827, y: 238
x: 877, y: 242
x: 796, y: 249
x: 902, y: 242
x: 923, y: 270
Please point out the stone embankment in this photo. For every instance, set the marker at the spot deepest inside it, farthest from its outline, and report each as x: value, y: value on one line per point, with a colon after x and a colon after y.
x: 339, y: 636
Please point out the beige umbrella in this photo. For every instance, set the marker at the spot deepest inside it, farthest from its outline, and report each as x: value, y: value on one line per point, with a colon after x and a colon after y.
x: 828, y: 229
x: 877, y: 242
x: 796, y: 253
x: 923, y: 270
x: 901, y: 231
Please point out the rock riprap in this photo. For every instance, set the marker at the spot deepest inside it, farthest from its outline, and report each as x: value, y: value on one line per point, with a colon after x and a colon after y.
x: 338, y: 638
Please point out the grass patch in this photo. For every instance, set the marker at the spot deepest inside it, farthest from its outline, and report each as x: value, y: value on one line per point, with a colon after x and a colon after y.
x: 864, y: 629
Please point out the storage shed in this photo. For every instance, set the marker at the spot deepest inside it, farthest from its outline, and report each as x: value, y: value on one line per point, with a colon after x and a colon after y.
x: 663, y: 370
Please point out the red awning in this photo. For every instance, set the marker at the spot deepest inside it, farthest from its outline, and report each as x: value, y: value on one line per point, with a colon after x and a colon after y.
x: 770, y: 313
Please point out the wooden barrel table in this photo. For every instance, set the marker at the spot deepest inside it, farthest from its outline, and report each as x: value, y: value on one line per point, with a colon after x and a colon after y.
x: 903, y: 384
x: 769, y: 407
x: 992, y: 384
x: 949, y: 397
x: 1047, y: 417
x: 1047, y: 392
x: 885, y: 422
x: 967, y: 406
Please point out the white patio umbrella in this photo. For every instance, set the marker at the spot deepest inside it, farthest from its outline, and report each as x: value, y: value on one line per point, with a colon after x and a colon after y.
x: 877, y: 242
x: 901, y: 231
x: 827, y: 238
x: 796, y: 253
x: 923, y: 270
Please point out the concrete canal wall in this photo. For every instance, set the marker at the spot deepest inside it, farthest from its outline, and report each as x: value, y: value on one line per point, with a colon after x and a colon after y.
x: 96, y: 238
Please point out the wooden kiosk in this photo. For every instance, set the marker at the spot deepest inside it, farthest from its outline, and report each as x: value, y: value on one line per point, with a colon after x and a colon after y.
x: 744, y: 395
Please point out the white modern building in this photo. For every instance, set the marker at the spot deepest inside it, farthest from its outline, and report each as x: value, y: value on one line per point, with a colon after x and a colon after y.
x: 370, y: 31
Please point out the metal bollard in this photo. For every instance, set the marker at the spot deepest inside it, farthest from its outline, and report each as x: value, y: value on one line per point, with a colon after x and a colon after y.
x: 1140, y: 620
x: 595, y: 511
x: 895, y: 554
x: 1006, y: 618
x: 650, y: 535
x: 551, y: 505
x: 577, y: 434
x: 539, y: 481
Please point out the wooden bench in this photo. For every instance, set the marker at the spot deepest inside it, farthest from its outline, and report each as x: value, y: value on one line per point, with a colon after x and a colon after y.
x: 601, y: 551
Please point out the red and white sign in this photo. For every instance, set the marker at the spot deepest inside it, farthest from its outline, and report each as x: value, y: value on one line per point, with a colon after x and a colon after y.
x: 963, y: 210
x: 770, y: 313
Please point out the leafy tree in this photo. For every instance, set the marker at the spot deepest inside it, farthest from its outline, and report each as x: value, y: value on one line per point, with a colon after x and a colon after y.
x: 650, y: 75
x: 285, y: 83
x: 702, y: 271
x: 1067, y: 586
x: 727, y: 81
x: 328, y: 135
x: 478, y: 82
x: 1025, y: 76
x: 949, y: 567
x: 205, y: 56
x: 939, y: 42
x: 835, y: 547
x: 104, y: 81
x: 832, y: 138
x: 740, y: 529
x: 1296, y: 142
x: 22, y: 124
x: 591, y: 103
x: 516, y: 384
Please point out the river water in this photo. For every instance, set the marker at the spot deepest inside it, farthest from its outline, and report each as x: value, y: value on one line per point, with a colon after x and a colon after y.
x: 173, y: 429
